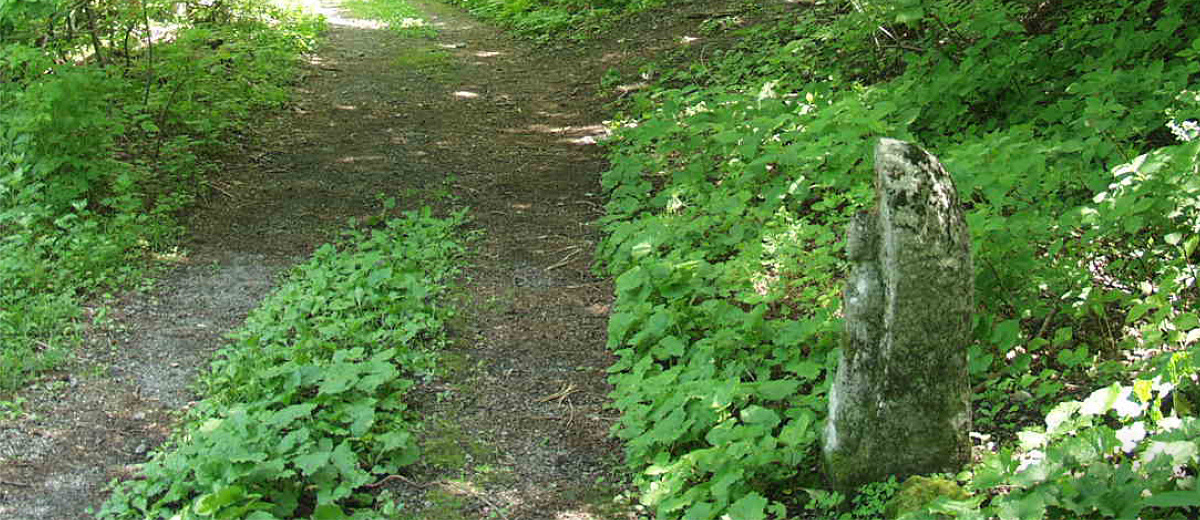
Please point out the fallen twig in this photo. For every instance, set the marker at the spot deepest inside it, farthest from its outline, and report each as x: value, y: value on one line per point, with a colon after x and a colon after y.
x: 562, y: 393
x: 402, y: 478
x: 17, y: 484
x: 222, y: 190
x: 566, y: 260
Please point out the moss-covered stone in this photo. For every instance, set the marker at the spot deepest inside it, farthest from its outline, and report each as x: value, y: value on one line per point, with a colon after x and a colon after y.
x: 917, y: 492
x: 900, y: 402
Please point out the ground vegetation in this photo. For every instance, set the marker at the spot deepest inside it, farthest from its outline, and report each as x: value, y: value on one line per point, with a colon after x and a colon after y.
x: 105, y: 107
x: 1070, y: 130
x: 734, y: 167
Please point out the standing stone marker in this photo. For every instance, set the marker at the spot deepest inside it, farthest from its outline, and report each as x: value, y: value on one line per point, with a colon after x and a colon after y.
x: 900, y: 403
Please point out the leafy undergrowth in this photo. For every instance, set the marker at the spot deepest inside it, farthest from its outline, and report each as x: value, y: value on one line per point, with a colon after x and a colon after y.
x: 399, y: 15
x: 544, y: 20
x: 1071, y: 131
x: 305, y: 409
x: 102, y: 130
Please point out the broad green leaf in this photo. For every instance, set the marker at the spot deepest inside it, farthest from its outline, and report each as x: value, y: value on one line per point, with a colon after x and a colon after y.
x: 1062, y: 335
x: 312, y: 462
x: 338, y: 378
x: 700, y: 511
x: 395, y: 439
x: 669, y: 347
x: 776, y: 390
x: 667, y: 430
x: 1187, y: 321
x: 378, y: 276
x: 725, y: 480
x: 1028, y: 507
x: 798, y: 431
x: 346, y: 461
x: 760, y: 416
x: 291, y: 413
x: 749, y: 507
x: 362, y: 416
x: 1175, y: 499
x: 328, y: 512
x: 1137, y: 311
x: 723, y: 392
x: 723, y: 433
x: 1006, y: 334
x: 804, y: 369
x: 210, y: 504
x: 907, y: 16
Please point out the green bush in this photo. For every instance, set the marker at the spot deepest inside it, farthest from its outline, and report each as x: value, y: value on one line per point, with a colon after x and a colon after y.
x: 551, y: 19
x: 97, y: 154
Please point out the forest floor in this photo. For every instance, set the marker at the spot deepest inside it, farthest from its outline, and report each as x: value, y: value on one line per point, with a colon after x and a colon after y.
x: 517, y: 427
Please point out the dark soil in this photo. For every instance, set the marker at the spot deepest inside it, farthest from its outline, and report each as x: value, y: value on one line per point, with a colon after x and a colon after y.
x: 517, y: 427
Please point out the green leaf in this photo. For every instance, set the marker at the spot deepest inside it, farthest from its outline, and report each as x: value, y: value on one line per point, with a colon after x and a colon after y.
x: 1138, y: 311
x: 618, y: 327
x: 907, y: 16
x: 362, y: 416
x: 667, y: 430
x: 1174, y: 499
x: 338, y: 378
x: 328, y: 512
x: 760, y: 416
x: 776, y: 390
x: 379, y: 276
x: 395, y: 439
x: 669, y: 347
x: 211, y: 504
x: 287, y: 415
x: 346, y: 461
x: 749, y: 507
x: 1030, y: 506
x: 700, y: 511
x: 1187, y: 321
x: 804, y: 369
x: 798, y: 431
x: 642, y: 249
x: 1006, y: 334
x: 1062, y: 335
x: 312, y: 462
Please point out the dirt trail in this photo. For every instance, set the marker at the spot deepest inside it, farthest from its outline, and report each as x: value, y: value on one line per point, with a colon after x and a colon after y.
x: 516, y: 428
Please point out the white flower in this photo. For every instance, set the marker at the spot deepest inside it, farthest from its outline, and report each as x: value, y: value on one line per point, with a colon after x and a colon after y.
x: 1184, y: 131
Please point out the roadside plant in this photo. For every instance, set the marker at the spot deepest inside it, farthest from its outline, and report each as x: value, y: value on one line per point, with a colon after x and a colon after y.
x: 731, y: 183
x: 305, y: 408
